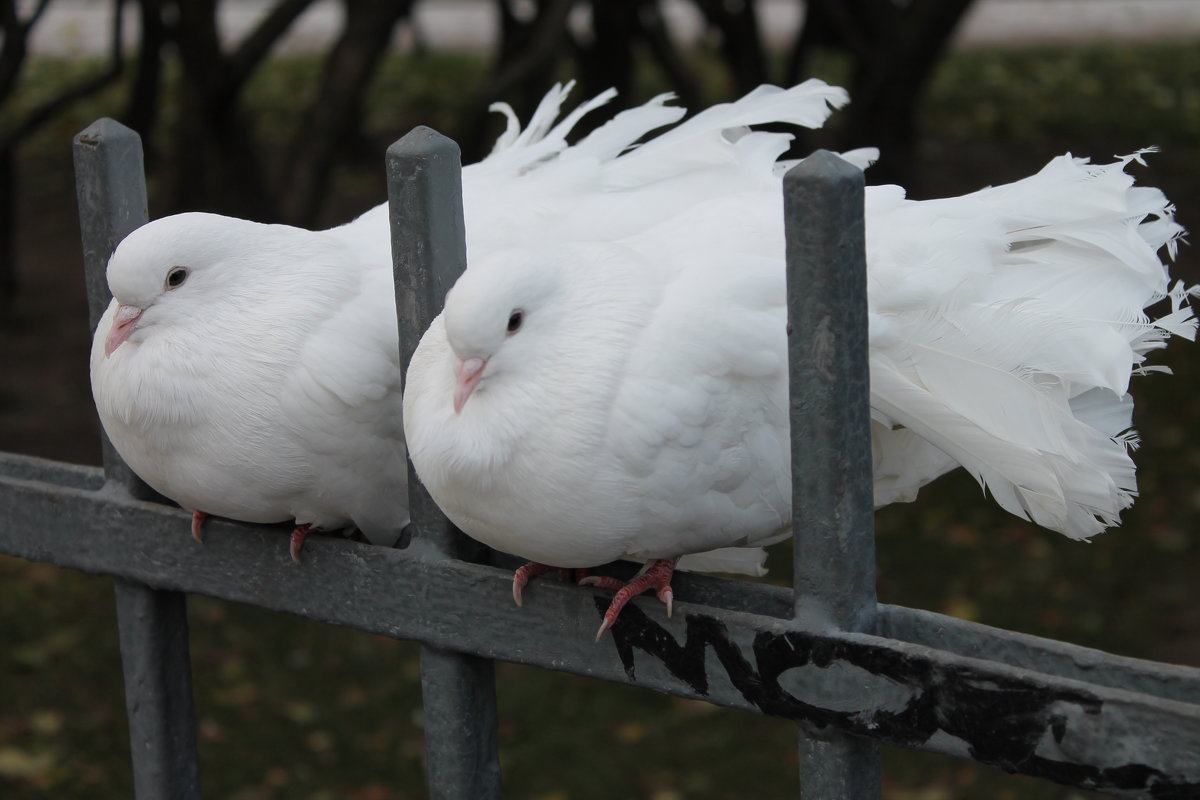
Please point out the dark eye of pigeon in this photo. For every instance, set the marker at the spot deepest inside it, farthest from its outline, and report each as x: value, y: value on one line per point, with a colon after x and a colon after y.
x: 515, y: 320
x: 176, y: 277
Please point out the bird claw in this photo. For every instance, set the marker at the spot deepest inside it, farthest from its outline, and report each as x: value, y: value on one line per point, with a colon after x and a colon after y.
x: 198, y: 518
x: 657, y: 576
x: 297, y: 541
x: 523, y: 575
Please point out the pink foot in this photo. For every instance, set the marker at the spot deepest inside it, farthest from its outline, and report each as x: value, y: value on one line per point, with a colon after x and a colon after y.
x: 297, y: 541
x: 198, y: 518
x: 657, y: 576
x: 532, y: 569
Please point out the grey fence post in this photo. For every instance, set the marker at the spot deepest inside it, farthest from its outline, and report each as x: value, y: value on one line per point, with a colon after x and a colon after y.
x: 832, y: 490
x: 111, y: 190
x: 429, y: 253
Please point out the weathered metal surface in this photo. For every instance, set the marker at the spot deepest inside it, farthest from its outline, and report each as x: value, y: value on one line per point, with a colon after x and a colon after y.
x: 832, y: 501
x: 460, y: 721
x: 429, y: 252
x: 110, y: 189
x: 43, y: 470
x: 1167, y: 681
x: 1051, y: 656
x: 111, y: 192
x: 833, y: 508
x: 908, y: 694
x: 153, y: 630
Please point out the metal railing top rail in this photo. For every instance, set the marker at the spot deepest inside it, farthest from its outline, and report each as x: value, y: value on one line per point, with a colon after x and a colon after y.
x: 1037, y: 722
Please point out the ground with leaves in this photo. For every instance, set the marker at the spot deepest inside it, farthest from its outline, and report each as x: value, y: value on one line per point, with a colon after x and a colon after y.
x: 293, y: 709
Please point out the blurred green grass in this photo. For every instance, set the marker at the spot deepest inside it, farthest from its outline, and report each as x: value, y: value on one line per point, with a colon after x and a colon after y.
x: 293, y: 709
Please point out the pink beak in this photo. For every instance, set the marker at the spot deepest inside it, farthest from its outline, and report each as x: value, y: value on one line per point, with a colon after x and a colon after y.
x: 468, y: 371
x: 124, y: 322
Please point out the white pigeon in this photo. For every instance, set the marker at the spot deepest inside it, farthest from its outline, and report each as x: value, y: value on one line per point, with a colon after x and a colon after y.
x: 252, y: 371
x: 608, y: 379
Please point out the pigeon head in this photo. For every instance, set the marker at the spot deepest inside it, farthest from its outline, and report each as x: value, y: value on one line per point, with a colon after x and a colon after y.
x: 496, y: 315
x: 195, y: 266
x: 544, y: 321
x: 164, y: 265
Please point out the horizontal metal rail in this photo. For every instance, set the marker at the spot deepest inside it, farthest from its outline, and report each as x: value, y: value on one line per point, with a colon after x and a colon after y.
x: 1067, y: 713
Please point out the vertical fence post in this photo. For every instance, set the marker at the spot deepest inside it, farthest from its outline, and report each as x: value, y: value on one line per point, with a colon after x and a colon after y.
x: 111, y: 190
x: 832, y: 488
x: 429, y: 253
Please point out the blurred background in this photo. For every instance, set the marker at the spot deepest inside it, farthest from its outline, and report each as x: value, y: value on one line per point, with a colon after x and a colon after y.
x: 280, y: 110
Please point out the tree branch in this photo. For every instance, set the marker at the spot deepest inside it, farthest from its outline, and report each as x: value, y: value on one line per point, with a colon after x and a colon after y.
x: 16, y: 40
x: 336, y: 109
x: 240, y: 64
x: 45, y: 111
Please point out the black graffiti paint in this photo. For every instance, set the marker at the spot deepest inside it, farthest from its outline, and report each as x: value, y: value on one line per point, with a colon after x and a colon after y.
x: 1001, y: 722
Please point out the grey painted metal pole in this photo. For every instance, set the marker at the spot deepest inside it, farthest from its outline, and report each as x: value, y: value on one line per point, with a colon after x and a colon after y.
x: 111, y: 189
x: 158, y: 691
x: 832, y: 491
x: 424, y: 172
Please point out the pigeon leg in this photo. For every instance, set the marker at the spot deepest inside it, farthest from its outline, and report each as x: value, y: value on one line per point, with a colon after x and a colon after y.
x: 525, y: 574
x: 656, y: 576
x: 198, y: 518
x: 297, y: 541
x: 532, y: 569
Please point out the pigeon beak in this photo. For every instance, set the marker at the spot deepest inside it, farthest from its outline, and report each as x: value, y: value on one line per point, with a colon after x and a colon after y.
x: 124, y: 323
x: 468, y: 371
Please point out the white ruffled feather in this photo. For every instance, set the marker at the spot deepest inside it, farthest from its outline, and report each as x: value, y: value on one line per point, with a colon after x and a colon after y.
x: 1004, y: 328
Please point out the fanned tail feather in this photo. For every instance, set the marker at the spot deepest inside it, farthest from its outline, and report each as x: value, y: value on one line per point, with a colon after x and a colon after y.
x: 698, y: 140
x: 1005, y: 324
x: 518, y: 150
x: 704, y: 139
x: 733, y: 560
x: 1013, y: 355
x: 613, y: 184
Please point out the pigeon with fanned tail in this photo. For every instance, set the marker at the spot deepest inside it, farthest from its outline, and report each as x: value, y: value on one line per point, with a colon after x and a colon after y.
x: 608, y: 379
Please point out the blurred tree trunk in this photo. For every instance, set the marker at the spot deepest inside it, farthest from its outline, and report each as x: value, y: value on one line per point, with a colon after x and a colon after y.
x: 216, y: 159
x: 607, y: 60
x: 142, y: 111
x: 216, y: 163
x: 618, y: 28
x: 532, y: 48
x: 15, y: 31
x: 524, y: 70
x: 337, y: 111
x: 894, y: 48
x: 741, y: 40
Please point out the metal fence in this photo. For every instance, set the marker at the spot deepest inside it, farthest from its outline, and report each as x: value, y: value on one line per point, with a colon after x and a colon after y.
x: 850, y: 672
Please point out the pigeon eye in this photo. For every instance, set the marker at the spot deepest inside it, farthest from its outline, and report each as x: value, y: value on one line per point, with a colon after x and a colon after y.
x: 176, y: 277
x: 515, y: 320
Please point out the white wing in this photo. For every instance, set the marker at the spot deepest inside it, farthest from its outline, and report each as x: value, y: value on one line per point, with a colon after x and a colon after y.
x: 342, y: 401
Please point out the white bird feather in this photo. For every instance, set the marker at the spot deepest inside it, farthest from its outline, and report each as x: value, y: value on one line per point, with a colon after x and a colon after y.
x: 264, y: 387
x: 639, y: 408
